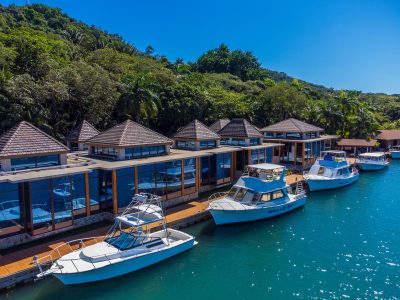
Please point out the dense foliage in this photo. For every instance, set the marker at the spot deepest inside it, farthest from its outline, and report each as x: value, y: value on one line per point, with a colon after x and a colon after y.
x: 56, y: 71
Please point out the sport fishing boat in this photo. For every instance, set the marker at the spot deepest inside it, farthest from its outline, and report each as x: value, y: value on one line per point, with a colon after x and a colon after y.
x: 372, y: 161
x: 128, y: 246
x: 395, y: 151
x: 330, y: 172
x: 259, y: 194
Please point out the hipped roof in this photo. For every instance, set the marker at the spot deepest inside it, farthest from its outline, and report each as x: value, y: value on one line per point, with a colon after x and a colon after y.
x: 129, y: 134
x: 83, y: 132
x: 25, y: 139
x: 293, y: 126
x: 197, y: 131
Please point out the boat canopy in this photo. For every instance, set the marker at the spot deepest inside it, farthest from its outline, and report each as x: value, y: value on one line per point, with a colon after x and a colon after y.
x: 372, y: 154
x: 140, y: 218
x: 266, y: 166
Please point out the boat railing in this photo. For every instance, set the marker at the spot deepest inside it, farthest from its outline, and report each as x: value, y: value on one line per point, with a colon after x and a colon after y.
x: 217, y: 195
x: 48, y: 260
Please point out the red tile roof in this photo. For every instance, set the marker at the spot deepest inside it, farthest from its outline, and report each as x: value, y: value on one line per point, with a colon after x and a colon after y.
x: 129, y: 134
x: 197, y: 131
x: 292, y: 125
x: 356, y: 143
x: 388, y: 135
x: 83, y: 132
x: 25, y: 139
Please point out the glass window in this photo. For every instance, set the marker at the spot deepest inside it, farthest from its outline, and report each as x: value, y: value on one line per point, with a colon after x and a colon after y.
x: 41, y: 205
x: 266, y: 197
x: 269, y: 154
x: 174, y: 178
x: 94, y: 191
x: 11, y: 214
x: 146, y: 179
x: 137, y: 152
x: 269, y: 134
x: 207, y: 144
x: 277, y: 194
x: 153, y: 150
x: 34, y: 162
x: 232, y: 192
x: 125, y: 186
x: 240, y: 195
x: 78, y: 195
x: 190, y: 175
x: 161, y: 149
x: 62, y: 189
x: 205, y: 170
x: 49, y: 160
x: 254, y: 141
x: 254, y: 156
x: 145, y: 151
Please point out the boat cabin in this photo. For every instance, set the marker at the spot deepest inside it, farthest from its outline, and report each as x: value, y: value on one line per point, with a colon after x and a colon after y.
x: 266, y: 172
x: 373, y: 156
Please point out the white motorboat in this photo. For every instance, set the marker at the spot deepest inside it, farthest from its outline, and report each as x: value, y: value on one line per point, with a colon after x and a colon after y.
x: 395, y: 151
x: 372, y: 161
x: 129, y: 245
x: 259, y: 194
x: 330, y: 172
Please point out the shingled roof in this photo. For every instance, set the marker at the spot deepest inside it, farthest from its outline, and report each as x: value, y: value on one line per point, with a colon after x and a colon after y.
x: 356, y: 143
x: 25, y: 139
x: 197, y: 131
x: 292, y: 125
x: 240, y: 128
x: 81, y: 133
x: 219, y: 124
x: 388, y: 135
x: 129, y: 134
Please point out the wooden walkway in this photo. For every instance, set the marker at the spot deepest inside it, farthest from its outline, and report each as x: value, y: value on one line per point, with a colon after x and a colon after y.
x: 22, y: 260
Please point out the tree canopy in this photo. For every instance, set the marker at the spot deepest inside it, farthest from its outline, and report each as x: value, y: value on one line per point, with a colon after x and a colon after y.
x: 56, y: 71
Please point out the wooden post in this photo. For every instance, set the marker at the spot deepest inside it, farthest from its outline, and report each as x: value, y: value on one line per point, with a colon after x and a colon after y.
x: 136, y: 180
x: 182, y: 176
x: 114, y: 191
x: 295, y: 153
x: 197, y: 174
x: 279, y: 152
x: 302, y: 155
x: 232, y: 164
x: 249, y: 157
x: 87, y: 194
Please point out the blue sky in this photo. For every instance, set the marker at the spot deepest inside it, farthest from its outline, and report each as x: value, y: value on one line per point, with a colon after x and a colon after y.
x: 341, y: 44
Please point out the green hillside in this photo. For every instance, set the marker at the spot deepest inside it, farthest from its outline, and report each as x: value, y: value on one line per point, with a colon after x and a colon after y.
x: 56, y: 71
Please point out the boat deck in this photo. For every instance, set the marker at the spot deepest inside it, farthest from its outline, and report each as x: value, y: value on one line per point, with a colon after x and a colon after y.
x: 22, y: 260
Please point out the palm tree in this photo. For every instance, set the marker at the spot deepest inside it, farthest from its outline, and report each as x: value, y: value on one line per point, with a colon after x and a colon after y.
x: 138, y: 97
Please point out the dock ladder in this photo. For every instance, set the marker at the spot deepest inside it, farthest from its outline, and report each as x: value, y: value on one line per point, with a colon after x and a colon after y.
x: 299, y: 188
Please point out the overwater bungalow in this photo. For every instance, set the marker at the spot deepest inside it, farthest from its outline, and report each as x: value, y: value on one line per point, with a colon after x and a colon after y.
x: 44, y: 190
x: 388, y: 138
x: 83, y: 132
x: 302, y: 143
x: 356, y: 146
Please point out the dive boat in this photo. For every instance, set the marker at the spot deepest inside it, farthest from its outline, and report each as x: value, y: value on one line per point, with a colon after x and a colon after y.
x: 372, y: 161
x: 330, y: 172
x: 395, y: 151
x: 128, y: 246
x: 259, y: 194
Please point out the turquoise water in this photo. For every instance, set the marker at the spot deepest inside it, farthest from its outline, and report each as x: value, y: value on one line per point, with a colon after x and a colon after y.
x: 343, y: 244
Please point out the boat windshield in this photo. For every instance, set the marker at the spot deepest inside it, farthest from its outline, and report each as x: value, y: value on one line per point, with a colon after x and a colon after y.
x: 125, y: 240
x: 242, y: 195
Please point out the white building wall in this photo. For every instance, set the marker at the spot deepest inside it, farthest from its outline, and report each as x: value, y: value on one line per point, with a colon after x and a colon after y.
x: 5, y: 165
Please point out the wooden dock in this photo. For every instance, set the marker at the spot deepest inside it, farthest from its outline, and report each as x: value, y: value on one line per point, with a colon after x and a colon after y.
x: 17, y: 266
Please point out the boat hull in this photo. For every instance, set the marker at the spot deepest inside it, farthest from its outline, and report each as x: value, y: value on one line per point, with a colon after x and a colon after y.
x: 329, y: 184
x: 124, y: 267
x: 371, y: 167
x: 395, y: 154
x: 224, y: 217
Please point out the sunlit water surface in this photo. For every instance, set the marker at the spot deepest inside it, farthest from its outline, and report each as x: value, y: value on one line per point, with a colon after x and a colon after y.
x: 343, y: 244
